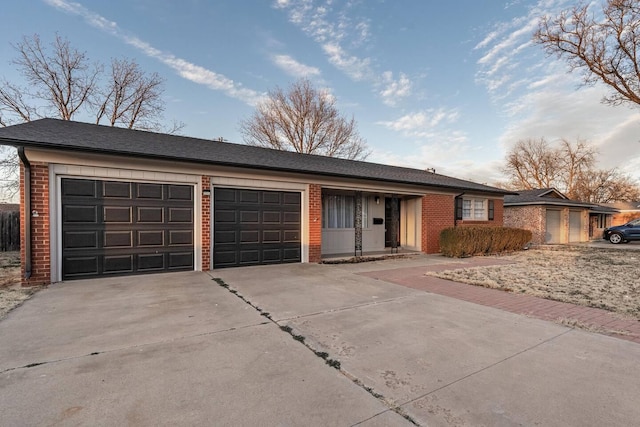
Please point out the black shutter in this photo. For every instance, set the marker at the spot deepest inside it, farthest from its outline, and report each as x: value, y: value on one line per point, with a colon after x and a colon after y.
x: 458, y: 208
x: 490, y: 210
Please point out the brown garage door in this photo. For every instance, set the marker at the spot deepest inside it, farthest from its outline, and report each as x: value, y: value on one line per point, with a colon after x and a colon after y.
x: 118, y: 228
x: 254, y: 227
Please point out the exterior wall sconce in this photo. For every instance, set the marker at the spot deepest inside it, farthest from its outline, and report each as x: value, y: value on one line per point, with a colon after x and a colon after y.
x: 206, y: 193
x: 377, y: 199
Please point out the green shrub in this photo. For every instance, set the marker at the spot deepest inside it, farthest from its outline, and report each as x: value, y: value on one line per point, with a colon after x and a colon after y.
x: 467, y: 241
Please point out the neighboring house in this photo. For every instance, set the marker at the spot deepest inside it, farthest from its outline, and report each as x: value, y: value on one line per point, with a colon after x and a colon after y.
x: 553, y: 218
x: 106, y: 201
x: 626, y: 211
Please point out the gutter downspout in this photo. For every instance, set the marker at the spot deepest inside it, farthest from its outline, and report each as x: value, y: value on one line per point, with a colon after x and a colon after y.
x: 27, y: 212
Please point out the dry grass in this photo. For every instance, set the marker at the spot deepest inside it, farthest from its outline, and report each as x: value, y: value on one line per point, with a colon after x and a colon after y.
x: 593, y: 277
x: 11, y: 293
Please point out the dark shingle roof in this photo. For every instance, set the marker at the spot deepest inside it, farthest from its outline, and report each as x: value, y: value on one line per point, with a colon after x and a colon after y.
x: 84, y: 137
x: 540, y: 196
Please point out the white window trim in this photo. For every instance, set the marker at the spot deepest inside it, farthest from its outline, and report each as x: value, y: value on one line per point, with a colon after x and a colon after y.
x: 473, y: 201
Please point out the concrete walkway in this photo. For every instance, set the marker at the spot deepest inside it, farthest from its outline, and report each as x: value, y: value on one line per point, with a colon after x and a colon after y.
x: 590, y: 318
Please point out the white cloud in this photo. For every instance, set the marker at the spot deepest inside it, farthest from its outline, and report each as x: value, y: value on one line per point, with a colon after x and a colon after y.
x: 422, y: 123
x: 185, y: 69
x: 394, y: 90
x: 338, y: 34
x: 294, y: 68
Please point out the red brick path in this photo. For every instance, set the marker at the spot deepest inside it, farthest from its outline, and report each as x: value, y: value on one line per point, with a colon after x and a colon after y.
x: 603, y: 321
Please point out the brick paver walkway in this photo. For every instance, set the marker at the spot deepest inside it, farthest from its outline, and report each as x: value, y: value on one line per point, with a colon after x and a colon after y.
x: 597, y: 320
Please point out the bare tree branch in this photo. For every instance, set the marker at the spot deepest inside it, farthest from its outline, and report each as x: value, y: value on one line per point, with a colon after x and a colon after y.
x: 603, y: 46
x: 305, y: 120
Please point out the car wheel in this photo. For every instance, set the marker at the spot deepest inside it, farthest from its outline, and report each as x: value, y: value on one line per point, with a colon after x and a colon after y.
x: 615, y: 238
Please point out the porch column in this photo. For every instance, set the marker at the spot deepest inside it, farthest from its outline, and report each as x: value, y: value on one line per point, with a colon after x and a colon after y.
x: 358, y: 223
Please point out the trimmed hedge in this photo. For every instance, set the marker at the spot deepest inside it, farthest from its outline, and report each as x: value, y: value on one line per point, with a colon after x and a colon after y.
x: 467, y: 241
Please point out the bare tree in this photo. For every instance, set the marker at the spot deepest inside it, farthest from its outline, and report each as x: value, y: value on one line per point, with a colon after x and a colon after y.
x: 61, y: 82
x: 131, y: 97
x: 305, y: 120
x: 63, y: 79
x: 569, y: 167
x: 605, y: 47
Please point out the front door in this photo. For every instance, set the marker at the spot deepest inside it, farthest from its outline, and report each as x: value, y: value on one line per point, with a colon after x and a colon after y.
x: 390, y: 224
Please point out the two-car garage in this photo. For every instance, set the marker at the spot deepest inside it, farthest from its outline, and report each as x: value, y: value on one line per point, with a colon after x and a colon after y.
x: 124, y: 227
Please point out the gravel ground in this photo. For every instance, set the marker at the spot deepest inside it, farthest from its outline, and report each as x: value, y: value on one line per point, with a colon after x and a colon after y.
x: 593, y: 277
x: 11, y: 293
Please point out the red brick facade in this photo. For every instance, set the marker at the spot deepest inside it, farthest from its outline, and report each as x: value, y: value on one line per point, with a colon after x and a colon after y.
x: 205, y: 224
x: 438, y: 213
x: 315, y: 223
x: 40, y: 238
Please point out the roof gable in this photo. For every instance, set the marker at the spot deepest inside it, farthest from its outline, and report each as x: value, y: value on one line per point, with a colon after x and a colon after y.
x: 90, y: 138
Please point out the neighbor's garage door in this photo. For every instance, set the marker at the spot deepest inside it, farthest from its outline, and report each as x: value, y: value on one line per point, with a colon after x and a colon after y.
x: 253, y: 227
x: 575, y: 226
x: 553, y: 226
x: 115, y: 228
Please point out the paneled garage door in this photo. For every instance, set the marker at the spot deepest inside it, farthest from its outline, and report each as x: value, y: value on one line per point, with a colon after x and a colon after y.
x: 118, y: 228
x: 575, y: 226
x: 254, y: 227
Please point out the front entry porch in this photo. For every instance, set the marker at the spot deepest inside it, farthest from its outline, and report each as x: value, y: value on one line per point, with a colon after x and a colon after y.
x: 357, y: 223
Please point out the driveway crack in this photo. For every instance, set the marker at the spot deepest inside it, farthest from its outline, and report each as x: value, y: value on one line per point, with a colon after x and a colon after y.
x: 334, y: 363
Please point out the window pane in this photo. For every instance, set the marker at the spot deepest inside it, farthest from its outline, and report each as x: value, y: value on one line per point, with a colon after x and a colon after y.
x: 337, y: 211
x: 466, y: 209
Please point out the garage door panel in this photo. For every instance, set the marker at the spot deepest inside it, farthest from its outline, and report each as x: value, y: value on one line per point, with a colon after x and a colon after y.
x: 148, y: 238
x: 180, y: 260
x: 80, y: 214
x: 180, y: 237
x: 117, y: 214
x: 81, y: 266
x: 268, y: 231
x: 118, y: 239
x: 553, y: 228
x: 116, y: 189
x: 179, y: 192
x: 226, y: 237
x: 118, y: 264
x: 225, y: 216
x: 80, y: 188
x: 80, y: 239
x: 180, y: 215
x: 114, y: 231
x: 249, y: 236
x: 150, y: 214
x: 249, y: 217
x: 149, y: 191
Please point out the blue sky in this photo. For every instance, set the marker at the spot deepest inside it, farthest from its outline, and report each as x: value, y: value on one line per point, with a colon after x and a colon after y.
x: 429, y: 83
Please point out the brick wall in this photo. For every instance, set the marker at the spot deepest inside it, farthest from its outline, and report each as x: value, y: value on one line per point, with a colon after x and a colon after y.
x: 205, y: 222
x: 531, y: 218
x: 40, y: 242
x: 624, y: 217
x: 315, y: 223
x: 438, y: 213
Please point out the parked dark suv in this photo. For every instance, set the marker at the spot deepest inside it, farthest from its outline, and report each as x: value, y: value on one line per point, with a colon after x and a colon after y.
x: 623, y: 233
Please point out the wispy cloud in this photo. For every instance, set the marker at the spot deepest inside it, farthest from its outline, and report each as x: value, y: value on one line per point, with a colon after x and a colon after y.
x: 184, y: 68
x: 294, y: 68
x: 422, y: 124
x: 395, y: 90
x: 338, y: 35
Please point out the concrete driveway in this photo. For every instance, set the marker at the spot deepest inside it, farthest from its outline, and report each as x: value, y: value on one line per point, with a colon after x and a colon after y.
x: 182, y: 349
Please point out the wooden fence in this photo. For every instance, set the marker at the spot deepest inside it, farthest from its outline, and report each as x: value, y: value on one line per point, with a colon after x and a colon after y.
x: 9, y: 231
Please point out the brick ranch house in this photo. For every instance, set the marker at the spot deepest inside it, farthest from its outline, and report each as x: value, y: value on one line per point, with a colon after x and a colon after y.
x: 102, y: 201
x: 554, y: 218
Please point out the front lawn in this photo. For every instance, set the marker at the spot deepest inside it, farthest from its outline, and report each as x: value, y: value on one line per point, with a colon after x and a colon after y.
x: 593, y: 277
x: 11, y: 293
